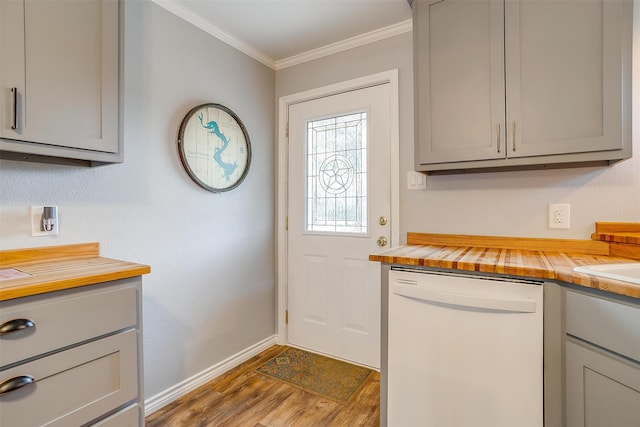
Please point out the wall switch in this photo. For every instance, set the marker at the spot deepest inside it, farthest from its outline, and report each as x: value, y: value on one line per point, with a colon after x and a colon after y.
x: 559, y: 215
x: 44, y: 221
x: 416, y: 181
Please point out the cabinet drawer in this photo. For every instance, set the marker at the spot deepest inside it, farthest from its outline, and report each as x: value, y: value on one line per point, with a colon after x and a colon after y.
x: 74, y: 386
x: 65, y: 319
x: 128, y: 417
x: 609, y: 324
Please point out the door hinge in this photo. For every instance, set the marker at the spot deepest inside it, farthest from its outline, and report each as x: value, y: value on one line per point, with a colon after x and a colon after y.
x: 287, y: 130
x: 286, y: 223
x: 286, y: 317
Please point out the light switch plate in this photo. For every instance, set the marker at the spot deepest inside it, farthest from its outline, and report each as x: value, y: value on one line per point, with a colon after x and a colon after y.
x: 36, y: 222
x: 416, y: 181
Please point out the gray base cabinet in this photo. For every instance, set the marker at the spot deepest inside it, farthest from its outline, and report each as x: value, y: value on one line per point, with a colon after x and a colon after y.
x: 601, y: 361
x: 59, y: 80
x: 81, y: 356
x: 521, y: 83
x: 602, y: 389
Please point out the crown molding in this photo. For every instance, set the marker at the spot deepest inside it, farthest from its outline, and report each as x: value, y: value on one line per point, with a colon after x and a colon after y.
x: 182, y: 12
x: 392, y: 30
x: 350, y: 43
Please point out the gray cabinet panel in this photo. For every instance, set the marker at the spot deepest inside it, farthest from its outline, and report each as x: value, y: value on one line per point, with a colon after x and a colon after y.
x: 75, y: 386
x: 84, y: 354
x: 609, y: 324
x: 62, y: 58
x: 601, y: 360
x: 602, y: 390
x: 126, y: 418
x: 545, y: 83
x: 460, y: 80
x: 564, y: 82
x: 65, y: 320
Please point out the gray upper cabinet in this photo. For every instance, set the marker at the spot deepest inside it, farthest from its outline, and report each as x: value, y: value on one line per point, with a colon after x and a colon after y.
x: 521, y: 83
x: 59, y: 77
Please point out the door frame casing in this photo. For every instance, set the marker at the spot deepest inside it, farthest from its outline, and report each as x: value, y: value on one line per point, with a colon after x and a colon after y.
x: 387, y: 77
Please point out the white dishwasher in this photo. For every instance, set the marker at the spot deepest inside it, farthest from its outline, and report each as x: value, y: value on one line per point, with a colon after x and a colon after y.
x: 464, y: 351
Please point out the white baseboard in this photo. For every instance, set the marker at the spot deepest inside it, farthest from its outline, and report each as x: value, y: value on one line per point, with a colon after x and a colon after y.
x: 162, y: 399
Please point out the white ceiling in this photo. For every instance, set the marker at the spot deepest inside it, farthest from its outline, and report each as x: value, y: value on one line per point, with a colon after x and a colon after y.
x: 277, y: 32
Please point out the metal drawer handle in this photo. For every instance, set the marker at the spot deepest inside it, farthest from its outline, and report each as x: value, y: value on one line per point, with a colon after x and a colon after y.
x: 15, y: 383
x: 16, y: 325
x: 14, y: 108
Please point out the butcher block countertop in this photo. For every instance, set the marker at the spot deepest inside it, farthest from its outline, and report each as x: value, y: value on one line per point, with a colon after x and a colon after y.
x: 54, y: 268
x: 552, y: 259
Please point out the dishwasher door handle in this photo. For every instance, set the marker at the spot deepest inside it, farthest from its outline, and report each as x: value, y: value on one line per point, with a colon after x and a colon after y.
x: 464, y: 300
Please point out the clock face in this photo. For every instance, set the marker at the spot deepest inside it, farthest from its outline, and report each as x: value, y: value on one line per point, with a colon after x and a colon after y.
x: 214, y: 147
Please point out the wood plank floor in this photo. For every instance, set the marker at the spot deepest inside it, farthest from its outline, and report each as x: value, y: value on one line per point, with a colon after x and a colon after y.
x: 243, y: 397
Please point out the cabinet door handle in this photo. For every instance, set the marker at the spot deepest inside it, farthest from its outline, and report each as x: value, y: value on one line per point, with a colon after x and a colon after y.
x: 15, y: 383
x: 513, y: 142
x: 14, y: 108
x: 16, y: 325
x: 498, y: 137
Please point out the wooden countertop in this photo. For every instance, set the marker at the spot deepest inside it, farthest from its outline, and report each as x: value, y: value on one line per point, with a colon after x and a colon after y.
x: 529, y: 257
x: 55, y: 268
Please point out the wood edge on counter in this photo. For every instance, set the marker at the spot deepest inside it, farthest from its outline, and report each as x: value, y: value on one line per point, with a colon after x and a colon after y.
x: 11, y: 257
x: 619, y: 232
x: 73, y: 282
x: 554, y: 259
x: 617, y: 227
x: 625, y: 250
x: 522, y: 243
x: 55, y: 268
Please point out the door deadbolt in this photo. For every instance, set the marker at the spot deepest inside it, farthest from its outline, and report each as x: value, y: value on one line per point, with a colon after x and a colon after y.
x: 382, y: 241
x: 382, y: 220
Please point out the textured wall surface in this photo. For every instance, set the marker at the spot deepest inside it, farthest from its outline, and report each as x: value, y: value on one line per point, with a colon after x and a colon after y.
x: 211, y: 290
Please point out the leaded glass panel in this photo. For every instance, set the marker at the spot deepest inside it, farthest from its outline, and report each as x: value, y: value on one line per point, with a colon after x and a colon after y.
x: 336, y: 173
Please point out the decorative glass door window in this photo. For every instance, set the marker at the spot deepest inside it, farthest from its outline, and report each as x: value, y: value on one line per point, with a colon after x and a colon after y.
x: 336, y: 174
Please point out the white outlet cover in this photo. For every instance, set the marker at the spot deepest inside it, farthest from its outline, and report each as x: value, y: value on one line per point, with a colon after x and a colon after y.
x: 560, y: 215
x: 36, y: 217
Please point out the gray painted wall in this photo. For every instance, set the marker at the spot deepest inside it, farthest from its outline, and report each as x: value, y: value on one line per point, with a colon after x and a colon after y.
x: 505, y: 203
x: 211, y: 291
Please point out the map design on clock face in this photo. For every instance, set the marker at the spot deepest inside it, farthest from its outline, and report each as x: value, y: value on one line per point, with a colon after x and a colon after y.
x: 215, y: 148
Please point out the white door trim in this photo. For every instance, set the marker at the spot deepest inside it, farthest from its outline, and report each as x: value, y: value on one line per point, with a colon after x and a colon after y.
x: 390, y: 77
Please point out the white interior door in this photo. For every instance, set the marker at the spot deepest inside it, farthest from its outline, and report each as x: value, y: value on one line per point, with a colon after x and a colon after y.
x: 339, y: 193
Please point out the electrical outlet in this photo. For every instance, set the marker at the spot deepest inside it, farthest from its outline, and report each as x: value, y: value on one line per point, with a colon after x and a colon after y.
x: 416, y: 181
x: 559, y: 215
x: 37, y: 226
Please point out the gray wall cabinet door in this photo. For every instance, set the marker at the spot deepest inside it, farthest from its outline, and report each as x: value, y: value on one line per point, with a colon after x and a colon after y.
x: 459, y: 80
x: 564, y: 74
x: 62, y: 58
x: 521, y: 83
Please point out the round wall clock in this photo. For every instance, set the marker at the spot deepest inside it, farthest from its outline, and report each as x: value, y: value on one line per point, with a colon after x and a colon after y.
x: 214, y: 147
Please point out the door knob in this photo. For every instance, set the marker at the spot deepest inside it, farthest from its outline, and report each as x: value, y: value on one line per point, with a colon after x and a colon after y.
x: 382, y: 241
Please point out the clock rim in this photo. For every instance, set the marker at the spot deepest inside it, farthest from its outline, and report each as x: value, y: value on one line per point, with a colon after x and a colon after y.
x: 185, y: 163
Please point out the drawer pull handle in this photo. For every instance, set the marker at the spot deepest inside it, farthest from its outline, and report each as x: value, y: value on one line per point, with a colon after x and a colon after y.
x: 15, y: 325
x: 15, y: 383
